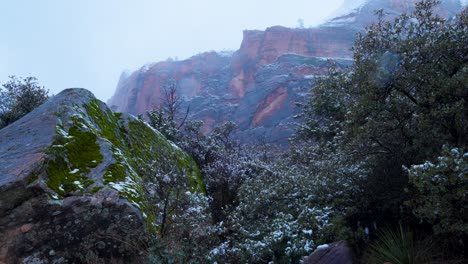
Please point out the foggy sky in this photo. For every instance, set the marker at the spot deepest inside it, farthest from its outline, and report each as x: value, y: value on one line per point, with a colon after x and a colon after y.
x: 88, y: 43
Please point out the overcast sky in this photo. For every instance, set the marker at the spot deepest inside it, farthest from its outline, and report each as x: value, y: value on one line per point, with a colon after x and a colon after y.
x: 88, y: 43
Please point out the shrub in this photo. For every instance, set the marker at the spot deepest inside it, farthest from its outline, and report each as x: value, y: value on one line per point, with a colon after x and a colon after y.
x: 440, y: 192
x: 18, y: 97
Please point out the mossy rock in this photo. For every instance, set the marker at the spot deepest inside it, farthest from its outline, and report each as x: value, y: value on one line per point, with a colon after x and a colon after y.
x: 95, y: 148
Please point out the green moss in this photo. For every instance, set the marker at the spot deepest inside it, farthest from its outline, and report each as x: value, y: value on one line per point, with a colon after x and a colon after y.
x: 63, y: 180
x: 33, y: 178
x: 106, y: 121
x: 73, y: 154
x: 83, y: 151
x: 115, y: 173
x: 96, y: 189
x: 57, y: 170
x: 151, y: 146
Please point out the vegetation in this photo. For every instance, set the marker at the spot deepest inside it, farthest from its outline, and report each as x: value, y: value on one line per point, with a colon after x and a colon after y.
x: 400, y: 247
x: 438, y: 194
x: 18, y: 97
x: 379, y: 143
x: 67, y: 172
x: 402, y: 103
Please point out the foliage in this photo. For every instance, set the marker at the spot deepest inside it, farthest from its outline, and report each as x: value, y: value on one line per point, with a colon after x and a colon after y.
x: 262, y: 210
x: 183, y: 224
x: 344, y: 175
x: 402, y: 99
x: 277, y: 218
x: 18, y: 97
x: 439, y: 194
x: 165, y: 117
x: 400, y: 246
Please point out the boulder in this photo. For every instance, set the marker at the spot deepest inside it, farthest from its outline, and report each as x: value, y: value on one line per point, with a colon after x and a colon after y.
x: 334, y: 253
x: 71, y: 183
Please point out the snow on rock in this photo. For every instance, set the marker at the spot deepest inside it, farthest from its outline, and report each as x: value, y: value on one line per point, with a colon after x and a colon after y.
x: 348, y: 7
x: 333, y: 253
x: 324, y: 246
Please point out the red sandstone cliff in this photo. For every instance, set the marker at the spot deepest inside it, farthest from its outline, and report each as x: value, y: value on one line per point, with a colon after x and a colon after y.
x: 258, y: 85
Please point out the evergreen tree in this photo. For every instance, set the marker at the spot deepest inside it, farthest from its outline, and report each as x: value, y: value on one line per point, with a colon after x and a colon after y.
x: 404, y: 97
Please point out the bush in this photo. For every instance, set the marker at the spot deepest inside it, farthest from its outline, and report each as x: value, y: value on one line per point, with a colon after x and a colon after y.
x: 439, y: 192
x: 18, y: 97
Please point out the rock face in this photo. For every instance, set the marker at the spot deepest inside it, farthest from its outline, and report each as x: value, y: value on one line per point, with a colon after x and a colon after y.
x: 356, y: 14
x: 258, y: 85
x: 70, y: 182
x: 334, y: 253
x: 256, y: 89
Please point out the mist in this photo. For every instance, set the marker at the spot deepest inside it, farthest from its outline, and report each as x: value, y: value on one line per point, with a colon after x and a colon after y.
x: 89, y: 43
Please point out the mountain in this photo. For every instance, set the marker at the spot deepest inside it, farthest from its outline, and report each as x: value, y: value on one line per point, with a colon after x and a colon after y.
x: 356, y: 14
x: 71, y: 177
x: 258, y: 85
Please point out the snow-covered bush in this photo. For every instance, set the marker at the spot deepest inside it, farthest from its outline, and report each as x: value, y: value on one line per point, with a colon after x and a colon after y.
x: 277, y: 218
x: 440, y: 191
x: 180, y: 216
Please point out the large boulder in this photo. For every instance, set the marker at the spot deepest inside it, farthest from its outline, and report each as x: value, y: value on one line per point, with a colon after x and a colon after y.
x: 334, y: 253
x: 71, y: 183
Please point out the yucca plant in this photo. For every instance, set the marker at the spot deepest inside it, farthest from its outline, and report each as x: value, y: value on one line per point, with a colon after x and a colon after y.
x: 398, y: 246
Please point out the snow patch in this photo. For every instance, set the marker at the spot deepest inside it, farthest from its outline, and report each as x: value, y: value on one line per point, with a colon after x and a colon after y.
x: 63, y: 133
x: 146, y: 67
x: 324, y: 246
x: 226, y: 53
x: 166, y: 179
x: 78, y: 184
x: 348, y: 7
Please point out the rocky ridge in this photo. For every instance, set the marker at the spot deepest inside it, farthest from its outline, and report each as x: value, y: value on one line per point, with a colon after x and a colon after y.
x: 71, y: 182
x: 258, y: 85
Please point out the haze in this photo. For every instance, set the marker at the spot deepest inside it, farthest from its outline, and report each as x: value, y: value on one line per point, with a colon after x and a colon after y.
x: 89, y: 43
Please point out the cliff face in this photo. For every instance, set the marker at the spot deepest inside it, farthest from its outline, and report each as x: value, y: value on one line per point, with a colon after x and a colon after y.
x: 71, y: 182
x: 257, y: 86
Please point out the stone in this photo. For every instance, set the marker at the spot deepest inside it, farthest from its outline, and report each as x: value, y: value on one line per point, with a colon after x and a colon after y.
x: 334, y: 253
x: 57, y: 189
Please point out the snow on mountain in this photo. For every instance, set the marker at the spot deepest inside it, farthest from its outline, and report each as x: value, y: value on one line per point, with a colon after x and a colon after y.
x: 348, y: 7
x: 360, y: 13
